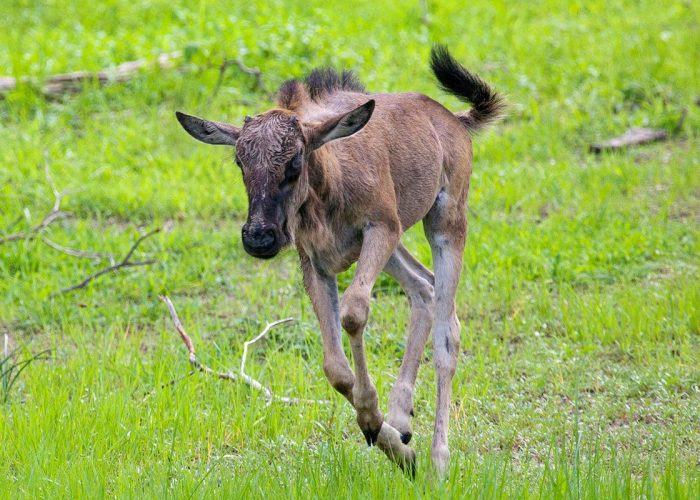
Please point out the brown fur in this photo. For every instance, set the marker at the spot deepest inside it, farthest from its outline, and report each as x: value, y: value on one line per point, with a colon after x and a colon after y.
x: 341, y: 174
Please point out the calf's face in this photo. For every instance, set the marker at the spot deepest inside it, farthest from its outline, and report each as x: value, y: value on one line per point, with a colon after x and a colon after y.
x: 270, y: 154
x: 272, y: 151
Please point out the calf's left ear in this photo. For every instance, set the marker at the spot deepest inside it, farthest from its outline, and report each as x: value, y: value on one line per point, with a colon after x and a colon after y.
x: 338, y: 126
x: 207, y: 131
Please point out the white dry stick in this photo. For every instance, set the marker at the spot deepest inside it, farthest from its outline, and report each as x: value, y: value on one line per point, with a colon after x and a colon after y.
x: 78, y: 253
x: 250, y: 380
x: 269, y: 396
x: 196, y: 364
x: 55, y: 214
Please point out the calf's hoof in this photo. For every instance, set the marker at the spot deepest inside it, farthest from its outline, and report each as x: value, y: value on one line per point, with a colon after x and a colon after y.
x: 401, y: 421
x: 371, y: 437
x: 399, y: 416
x: 370, y: 424
x: 389, y: 441
x: 441, y: 460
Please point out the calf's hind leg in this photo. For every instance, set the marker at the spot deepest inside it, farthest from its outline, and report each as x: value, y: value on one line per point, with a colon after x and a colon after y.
x: 417, y: 283
x: 446, y: 228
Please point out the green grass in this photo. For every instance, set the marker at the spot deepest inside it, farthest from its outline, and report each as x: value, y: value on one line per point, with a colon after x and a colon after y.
x: 579, y: 374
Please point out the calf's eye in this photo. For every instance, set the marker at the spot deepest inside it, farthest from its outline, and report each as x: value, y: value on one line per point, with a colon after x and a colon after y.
x: 291, y: 173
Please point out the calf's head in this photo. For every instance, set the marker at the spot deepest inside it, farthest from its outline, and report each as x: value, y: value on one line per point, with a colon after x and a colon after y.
x: 273, y: 150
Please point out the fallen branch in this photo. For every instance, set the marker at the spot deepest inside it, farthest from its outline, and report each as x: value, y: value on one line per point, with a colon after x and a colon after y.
x: 255, y: 72
x: 199, y: 366
x: 55, y: 214
x: 633, y: 137
x: 196, y: 364
x: 250, y: 380
x: 70, y: 83
x: 125, y: 262
x: 78, y: 253
x: 637, y: 136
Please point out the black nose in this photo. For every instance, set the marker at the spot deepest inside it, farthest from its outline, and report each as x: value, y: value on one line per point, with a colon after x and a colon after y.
x: 259, y: 240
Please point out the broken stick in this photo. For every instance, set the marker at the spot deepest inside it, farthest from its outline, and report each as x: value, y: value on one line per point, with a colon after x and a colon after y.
x: 125, y: 262
x: 70, y: 83
x: 633, y: 137
x: 55, y: 214
x: 199, y: 366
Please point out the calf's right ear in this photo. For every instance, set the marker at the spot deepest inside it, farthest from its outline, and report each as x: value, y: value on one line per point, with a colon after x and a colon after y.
x: 207, y: 131
x: 339, y: 126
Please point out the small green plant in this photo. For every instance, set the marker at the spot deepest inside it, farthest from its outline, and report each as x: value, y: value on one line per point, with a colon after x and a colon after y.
x: 11, y: 369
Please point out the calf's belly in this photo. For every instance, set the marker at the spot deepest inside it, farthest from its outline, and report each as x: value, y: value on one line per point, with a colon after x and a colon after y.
x: 416, y: 190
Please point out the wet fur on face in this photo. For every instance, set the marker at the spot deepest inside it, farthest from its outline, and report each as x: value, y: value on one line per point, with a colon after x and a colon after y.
x: 270, y: 153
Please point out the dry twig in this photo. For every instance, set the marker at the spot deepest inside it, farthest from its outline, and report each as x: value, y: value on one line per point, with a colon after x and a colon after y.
x: 250, y: 380
x: 81, y: 254
x: 55, y: 214
x: 198, y: 365
x: 125, y: 262
x: 255, y: 72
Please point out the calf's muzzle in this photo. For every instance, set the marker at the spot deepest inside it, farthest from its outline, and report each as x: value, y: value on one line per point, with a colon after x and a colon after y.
x: 261, y: 240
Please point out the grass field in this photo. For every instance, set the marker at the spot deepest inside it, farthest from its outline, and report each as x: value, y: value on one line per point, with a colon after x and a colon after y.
x: 579, y: 375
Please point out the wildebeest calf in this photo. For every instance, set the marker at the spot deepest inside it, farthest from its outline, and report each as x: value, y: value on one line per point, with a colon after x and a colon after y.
x: 341, y: 173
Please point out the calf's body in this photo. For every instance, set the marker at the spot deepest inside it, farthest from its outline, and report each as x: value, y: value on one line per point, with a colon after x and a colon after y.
x: 388, y: 172
x: 341, y: 174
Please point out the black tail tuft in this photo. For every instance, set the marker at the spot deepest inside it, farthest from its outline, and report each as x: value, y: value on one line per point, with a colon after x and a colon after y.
x: 487, y: 105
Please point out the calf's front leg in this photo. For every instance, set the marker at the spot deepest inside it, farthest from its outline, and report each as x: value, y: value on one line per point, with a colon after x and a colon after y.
x: 379, y: 242
x: 323, y: 291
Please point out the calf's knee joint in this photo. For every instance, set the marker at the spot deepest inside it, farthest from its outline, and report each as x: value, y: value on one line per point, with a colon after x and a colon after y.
x: 340, y: 377
x: 354, y: 311
x: 446, y: 351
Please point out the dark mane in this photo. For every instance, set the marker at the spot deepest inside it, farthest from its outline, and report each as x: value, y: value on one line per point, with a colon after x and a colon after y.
x: 325, y: 81
x: 320, y: 83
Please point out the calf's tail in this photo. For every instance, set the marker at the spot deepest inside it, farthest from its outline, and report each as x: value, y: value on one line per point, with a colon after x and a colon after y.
x: 487, y: 105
